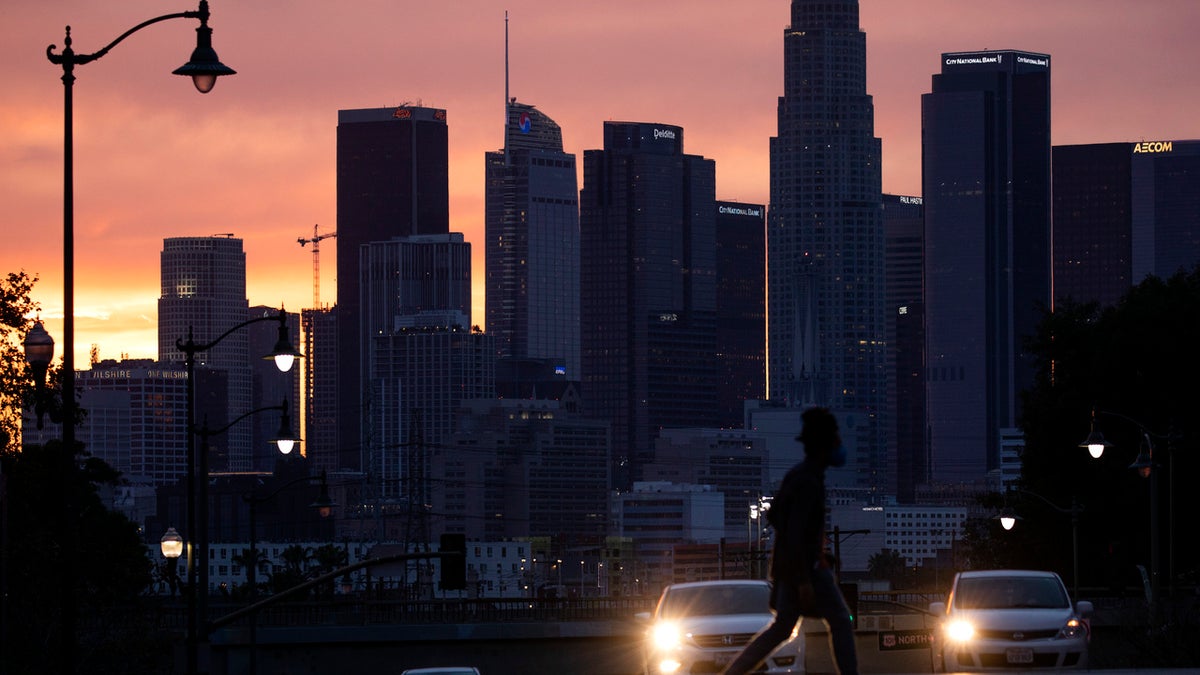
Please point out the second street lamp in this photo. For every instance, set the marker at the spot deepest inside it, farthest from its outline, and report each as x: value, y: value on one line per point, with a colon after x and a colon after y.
x: 284, y: 356
x: 1146, y: 467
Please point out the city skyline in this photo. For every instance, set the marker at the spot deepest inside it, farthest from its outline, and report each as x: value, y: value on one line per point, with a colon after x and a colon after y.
x: 263, y: 145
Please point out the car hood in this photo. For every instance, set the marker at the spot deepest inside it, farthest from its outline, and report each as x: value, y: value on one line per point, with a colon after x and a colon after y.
x: 1015, y: 619
x: 725, y: 623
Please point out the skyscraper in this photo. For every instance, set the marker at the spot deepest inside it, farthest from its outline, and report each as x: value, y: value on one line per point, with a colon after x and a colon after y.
x: 532, y: 232
x: 204, y: 295
x: 741, y: 308
x: 1123, y: 211
x: 904, y: 276
x: 986, y: 139
x: 321, y: 391
x: 392, y: 181
x: 420, y: 358
x: 825, y: 310
x: 647, y: 288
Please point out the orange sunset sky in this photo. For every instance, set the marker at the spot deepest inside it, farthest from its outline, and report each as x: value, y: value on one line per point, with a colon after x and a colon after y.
x: 255, y: 157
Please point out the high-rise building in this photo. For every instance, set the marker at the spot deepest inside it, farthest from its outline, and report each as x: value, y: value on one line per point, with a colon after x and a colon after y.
x: 986, y: 140
x: 320, y: 389
x: 420, y: 357
x: 203, y: 296
x: 825, y: 301
x: 1123, y: 211
x: 741, y: 309
x: 392, y: 181
x: 532, y: 253
x: 647, y: 288
x: 136, y: 421
x: 904, y: 273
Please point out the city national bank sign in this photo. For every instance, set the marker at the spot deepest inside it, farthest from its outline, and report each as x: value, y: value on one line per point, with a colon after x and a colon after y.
x: 752, y: 212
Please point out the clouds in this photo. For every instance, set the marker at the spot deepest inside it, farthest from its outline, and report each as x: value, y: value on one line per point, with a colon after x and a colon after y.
x: 256, y: 156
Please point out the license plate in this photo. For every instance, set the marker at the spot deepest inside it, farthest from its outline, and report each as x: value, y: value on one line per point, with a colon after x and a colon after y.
x: 726, y: 658
x: 1019, y: 655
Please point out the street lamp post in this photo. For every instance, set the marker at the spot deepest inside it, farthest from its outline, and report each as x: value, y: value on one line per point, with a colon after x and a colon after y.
x: 203, y: 67
x: 171, y: 545
x: 284, y: 440
x: 1008, y: 520
x: 284, y: 355
x: 1145, y: 465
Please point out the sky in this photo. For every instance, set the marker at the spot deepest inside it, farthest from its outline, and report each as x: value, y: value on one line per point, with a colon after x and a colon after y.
x: 256, y: 156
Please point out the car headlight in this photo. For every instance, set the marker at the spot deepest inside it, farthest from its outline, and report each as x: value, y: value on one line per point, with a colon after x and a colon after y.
x: 959, y: 630
x: 1073, y: 629
x: 666, y: 636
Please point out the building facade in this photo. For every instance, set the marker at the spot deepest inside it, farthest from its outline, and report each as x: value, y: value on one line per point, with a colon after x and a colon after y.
x: 520, y: 468
x: 392, y: 181
x: 647, y: 287
x: 1122, y: 212
x: 986, y: 140
x: 532, y: 251
x: 825, y: 301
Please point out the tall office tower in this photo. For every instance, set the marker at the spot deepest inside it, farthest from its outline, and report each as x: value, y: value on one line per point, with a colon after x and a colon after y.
x: 392, y: 181
x: 986, y: 140
x: 419, y: 355
x: 1123, y: 211
x: 825, y: 311
x: 647, y: 222
x: 204, y: 295
x: 904, y: 273
x: 741, y: 309
x: 320, y: 389
x: 269, y: 387
x: 532, y: 232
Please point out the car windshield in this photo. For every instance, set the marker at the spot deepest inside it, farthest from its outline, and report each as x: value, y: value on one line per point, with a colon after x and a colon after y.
x: 717, y: 599
x: 1009, y: 593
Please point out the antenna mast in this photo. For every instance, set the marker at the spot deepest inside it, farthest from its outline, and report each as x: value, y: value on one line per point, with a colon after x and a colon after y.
x: 506, y: 99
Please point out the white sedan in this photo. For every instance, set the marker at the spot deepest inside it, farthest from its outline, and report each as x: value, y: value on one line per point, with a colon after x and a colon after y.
x: 1011, y: 619
x: 699, y: 627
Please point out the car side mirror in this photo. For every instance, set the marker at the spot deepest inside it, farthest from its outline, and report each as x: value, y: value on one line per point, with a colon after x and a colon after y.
x: 642, y: 616
x: 937, y: 608
x: 1083, y: 607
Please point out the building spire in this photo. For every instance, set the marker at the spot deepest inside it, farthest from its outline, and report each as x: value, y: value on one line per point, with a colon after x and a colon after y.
x: 507, y: 100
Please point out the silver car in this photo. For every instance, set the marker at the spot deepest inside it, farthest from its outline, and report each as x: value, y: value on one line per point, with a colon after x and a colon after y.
x: 699, y: 627
x: 1020, y: 619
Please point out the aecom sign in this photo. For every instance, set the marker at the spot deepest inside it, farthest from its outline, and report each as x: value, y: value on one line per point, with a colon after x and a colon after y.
x: 1151, y: 147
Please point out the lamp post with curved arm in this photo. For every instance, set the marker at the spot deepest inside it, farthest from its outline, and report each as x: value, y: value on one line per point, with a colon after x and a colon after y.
x: 1008, y: 520
x: 1145, y: 466
x: 284, y: 356
x: 284, y: 440
x: 204, y: 68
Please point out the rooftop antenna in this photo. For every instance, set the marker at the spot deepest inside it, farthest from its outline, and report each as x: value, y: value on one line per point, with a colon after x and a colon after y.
x: 506, y: 99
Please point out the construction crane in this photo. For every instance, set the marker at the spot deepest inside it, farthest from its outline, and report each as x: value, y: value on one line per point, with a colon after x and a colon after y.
x: 315, y: 240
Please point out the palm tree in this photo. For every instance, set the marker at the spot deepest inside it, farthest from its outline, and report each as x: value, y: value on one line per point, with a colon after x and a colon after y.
x: 244, y: 560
